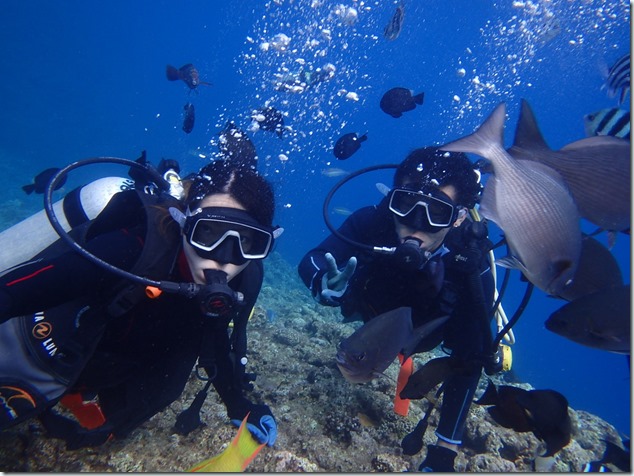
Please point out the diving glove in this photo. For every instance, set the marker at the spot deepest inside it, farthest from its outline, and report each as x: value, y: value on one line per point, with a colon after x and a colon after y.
x: 334, y: 283
x: 260, y: 423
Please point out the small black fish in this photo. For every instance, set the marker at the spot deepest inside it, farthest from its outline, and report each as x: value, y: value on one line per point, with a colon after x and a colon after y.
x: 188, y: 74
x: 543, y: 412
x: 399, y: 100
x: 608, y: 122
x: 270, y: 119
x: 614, y: 454
x: 434, y: 371
x: 348, y: 144
x: 41, y: 181
x: 235, y: 146
x: 619, y: 78
x: 189, y: 116
x: 393, y: 28
x: 412, y: 443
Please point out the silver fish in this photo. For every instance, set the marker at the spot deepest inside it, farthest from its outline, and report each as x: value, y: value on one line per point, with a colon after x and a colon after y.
x: 619, y: 78
x: 531, y: 204
x: 393, y: 28
x: 608, y: 122
x: 600, y: 320
x: 590, y: 167
x: 371, y: 349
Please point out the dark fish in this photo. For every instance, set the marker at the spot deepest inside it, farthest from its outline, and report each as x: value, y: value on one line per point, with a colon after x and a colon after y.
x: 608, y: 122
x: 188, y: 74
x: 399, y: 100
x: 371, y: 349
x: 348, y: 144
x: 189, y: 115
x: 589, y: 167
x: 543, y: 412
x: 393, y: 28
x: 235, y: 146
x: 619, y: 78
x: 431, y: 374
x: 41, y: 181
x: 615, y: 455
x: 597, y: 270
x: 270, y: 119
x: 600, y: 320
x: 531, y: 203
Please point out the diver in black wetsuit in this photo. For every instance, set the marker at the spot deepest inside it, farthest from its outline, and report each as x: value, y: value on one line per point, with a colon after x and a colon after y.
x: 75, y: 332
x: 437, y: 253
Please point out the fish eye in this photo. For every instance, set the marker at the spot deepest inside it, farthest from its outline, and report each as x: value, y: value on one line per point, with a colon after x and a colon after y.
x: 591, y: 117
x: 360, y: 357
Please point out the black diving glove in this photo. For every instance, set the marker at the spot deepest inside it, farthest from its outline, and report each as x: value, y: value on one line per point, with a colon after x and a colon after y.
x: 468, y: 246
x: 260, y: 423
x: 438, y: 460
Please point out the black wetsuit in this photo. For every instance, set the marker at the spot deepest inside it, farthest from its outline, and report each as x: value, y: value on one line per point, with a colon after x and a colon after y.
x: 379, y: 285
x: 137, y: 362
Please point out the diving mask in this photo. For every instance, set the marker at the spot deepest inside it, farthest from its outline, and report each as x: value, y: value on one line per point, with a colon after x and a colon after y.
x: 426, y: 210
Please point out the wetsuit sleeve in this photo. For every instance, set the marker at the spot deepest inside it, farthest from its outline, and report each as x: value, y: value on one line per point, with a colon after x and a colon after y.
x: 469, y: 338
x: 37, y: 285
x: 313, y: 267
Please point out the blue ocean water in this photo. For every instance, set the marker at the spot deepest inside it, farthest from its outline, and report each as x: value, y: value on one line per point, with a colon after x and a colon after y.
x: 84, y: 78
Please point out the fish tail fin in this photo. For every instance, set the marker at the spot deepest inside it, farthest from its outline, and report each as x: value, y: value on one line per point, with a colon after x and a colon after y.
x: 527, y: 134
x: 248, y: 446
x: 172, y: 73
x: 29, y: 189
x: 489, y: 135
x: 418, y: 99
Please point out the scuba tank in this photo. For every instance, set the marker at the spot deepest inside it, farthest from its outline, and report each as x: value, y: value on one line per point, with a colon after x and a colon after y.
x: 27, y: 238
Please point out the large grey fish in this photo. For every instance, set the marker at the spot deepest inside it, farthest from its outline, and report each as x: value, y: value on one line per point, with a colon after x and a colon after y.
x: 597, y: 270
x: 393, y: 28
x: 531, y: 204
x: 597, y: 171
x: 600, y: 320
x: 371, y: 349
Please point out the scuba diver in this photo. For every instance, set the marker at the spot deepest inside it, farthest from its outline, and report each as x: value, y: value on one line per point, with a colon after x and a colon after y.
x: 437, y: 267
x: 115, y: 353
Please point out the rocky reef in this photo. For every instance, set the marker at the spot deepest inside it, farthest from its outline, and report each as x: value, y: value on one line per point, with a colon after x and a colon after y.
x: 325, y: 423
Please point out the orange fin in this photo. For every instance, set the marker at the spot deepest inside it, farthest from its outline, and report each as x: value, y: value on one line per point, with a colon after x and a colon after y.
x: 401, y: 405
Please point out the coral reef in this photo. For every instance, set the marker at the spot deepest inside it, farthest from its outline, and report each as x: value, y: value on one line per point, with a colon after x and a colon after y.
x: 325, y: 423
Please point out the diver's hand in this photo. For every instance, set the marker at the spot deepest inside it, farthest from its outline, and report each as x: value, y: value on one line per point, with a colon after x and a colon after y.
x: 438, y: 460
x: 468, y: 246
x: 260, y: 423
x: 335, y: 282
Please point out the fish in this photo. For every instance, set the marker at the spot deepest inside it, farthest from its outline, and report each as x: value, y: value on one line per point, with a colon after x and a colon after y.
x: 334, y: 172
x: 589, y: 167
x: 187, y: 73
x: 41, y: 181
x: 269, y: 119
x: 600, y: 320
x: 531, y: 203
x: 434, y: 372
x: 235, y: 146
x: 542, y: 412
x: 597, y: 270
x: 619, y: 78
x: 398, y: 100
x: 348, y: 144
x: 608, y: 122
x: 613, y: 454
x: 371, y: 349
x: 189, y: 115
x: 393, y: 28
x: 241, y: 451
